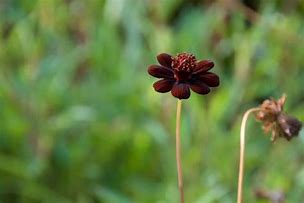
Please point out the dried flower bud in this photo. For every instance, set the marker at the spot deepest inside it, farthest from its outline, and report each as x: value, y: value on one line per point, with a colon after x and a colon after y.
x: 274, y: 120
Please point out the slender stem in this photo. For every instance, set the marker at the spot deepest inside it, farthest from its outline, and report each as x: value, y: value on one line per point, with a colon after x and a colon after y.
x: 242, y: 153
x: 178, y: 151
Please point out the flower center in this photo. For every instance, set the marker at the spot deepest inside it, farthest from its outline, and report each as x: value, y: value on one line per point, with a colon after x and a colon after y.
x: 183, y: 65
x: 184, y: 62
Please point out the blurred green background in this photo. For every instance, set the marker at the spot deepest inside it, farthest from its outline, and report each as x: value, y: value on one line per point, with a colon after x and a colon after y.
x: 80, y: 121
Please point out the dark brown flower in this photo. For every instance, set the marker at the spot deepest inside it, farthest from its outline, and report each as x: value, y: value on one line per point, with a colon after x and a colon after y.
x: 275, y: 120
x: 181, y: 73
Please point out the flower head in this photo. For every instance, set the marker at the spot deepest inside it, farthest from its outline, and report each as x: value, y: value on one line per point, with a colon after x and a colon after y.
x: 181, y: 73
x: 275, y: 120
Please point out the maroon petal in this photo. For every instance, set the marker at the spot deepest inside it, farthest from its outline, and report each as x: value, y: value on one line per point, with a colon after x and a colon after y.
x: 290, y: 125
x: 163, y: 85
x: 182, y: 76
x: 181, y: 90
x: 199, y: 87
x: 211, y: 79
x: 160, y: 71
x: 203, y: 66
x: 165, y: 59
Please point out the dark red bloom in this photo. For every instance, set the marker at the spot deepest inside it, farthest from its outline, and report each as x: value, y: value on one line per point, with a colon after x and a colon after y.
x: 181, y: 73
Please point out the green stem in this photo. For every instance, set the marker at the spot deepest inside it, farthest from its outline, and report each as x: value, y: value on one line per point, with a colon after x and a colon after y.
x: 178, y: 152
x: 242, y: 153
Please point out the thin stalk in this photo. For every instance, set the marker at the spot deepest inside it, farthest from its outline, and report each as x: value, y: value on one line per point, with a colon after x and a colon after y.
x: 178, y: 151
x: 242, y: 153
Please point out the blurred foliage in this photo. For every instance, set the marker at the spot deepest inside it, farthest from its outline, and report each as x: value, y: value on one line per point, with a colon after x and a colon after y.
x: 80, y: 121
